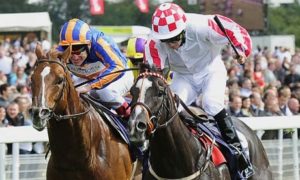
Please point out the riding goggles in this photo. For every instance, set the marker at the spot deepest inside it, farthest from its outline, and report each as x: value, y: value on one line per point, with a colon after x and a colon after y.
x: 78, y: 51
x: 173, y: 39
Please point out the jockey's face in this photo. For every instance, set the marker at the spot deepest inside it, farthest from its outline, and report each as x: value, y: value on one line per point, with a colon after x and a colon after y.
x: 78, y: 59
x: 174, y: 42
x: 78, y: 56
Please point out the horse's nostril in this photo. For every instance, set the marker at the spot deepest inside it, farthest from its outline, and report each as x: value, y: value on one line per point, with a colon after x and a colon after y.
x: 45, y: 112
x: 141, y: 126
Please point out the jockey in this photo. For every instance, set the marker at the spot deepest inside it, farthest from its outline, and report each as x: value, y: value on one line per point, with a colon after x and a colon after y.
x: 135, y: 52
x: 94, y: 55
x: 190, y: 45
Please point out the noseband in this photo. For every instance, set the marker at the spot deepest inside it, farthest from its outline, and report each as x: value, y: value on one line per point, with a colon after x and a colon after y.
x: 152, y: 121
x: 53, y: 114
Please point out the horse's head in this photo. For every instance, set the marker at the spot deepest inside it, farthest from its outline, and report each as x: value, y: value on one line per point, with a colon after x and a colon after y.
x: 48, y: 85
x: 151, y: 105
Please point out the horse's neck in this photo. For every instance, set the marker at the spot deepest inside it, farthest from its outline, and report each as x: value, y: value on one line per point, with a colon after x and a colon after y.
x: 175, y: 143
x: 71, y: 136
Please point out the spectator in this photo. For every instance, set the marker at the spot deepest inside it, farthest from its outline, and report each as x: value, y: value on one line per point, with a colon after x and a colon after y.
x: 3, y: 120
x: 296, y: 91
x: 232, y: 74
x: 284, y: 94
x: 246, y: 87
x: 270, y: 93
x: 233, y: 83
x: 19, y: 77
x: 20, y: 58
x: 5, y: 62
x: 269, y: 75
x: 16, y: 118
x: 258, y: 75
x: 292, y: 77
x: 271, y: 109
x: 24, y: 91
x: 257, y: 88
x: 24, y: 105
x: 30, y: 64
x: 256, y: 105
x: 279, y: 71
x: 235, y: 107
x: 46, y: 44
x: 3, y: 78
x: 293, y: 105
x: 7, y: 43
x: 246, y: 103
x: 5, y: 94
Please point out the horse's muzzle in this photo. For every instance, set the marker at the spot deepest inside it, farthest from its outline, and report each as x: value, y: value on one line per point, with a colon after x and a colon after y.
x: 137, y: 132
x: 40, y: 116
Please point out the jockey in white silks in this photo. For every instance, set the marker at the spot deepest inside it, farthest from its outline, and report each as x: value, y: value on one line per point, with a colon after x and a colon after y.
x: 190, y: 45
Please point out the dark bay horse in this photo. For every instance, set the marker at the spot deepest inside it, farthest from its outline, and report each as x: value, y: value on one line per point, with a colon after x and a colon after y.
x: 174, y: 152
x: 83, y: 146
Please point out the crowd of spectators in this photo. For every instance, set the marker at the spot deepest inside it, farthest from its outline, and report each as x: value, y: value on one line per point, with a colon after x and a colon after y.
x: 17, y: 59
x: 268, y: 84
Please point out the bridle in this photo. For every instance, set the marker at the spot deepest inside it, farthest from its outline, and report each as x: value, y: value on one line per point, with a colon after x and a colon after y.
x: 52, y: 113
x: 152, y: 120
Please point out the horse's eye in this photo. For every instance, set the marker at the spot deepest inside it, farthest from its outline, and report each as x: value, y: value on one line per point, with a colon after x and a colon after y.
x: 161, y: 93
x: 60, y: 80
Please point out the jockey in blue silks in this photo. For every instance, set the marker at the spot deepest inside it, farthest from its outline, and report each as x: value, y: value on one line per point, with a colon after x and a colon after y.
x: 93, y: 56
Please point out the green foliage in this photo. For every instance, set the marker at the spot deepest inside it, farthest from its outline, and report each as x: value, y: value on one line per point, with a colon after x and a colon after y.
x: 285, y: 20
x: 124, y: 13
x: 19, y: 6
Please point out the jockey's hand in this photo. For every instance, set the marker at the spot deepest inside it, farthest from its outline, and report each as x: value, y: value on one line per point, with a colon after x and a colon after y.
x: 84, y: 89
x: 241, y: 59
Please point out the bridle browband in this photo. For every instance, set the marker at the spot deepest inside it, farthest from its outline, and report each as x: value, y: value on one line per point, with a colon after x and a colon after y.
x: 53, y: 114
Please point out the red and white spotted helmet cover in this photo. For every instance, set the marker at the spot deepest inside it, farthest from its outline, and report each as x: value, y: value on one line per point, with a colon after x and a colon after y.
x: 168, y: 21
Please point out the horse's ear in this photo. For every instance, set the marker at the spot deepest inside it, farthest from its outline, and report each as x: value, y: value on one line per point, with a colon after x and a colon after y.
x: 39, y: 51
x: 65, y: 56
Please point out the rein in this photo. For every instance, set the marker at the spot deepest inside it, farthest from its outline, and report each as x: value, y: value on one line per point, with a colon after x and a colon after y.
x: 101, y: 76
x: 53, y: 114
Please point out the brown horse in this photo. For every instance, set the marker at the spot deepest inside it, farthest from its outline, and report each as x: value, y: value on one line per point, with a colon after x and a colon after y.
x: 83, y: 146
x: 174, y: 152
